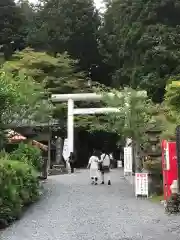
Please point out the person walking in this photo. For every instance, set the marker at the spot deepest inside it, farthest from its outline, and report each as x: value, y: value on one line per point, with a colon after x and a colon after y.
x: 104, y: 166
x: 93, y: 165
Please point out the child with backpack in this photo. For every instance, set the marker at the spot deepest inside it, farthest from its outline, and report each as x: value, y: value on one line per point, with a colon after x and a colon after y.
x: 104, y: 167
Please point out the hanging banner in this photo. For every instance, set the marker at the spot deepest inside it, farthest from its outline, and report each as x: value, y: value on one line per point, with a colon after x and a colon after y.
x: 128, y: 160
x: 65, y: 150
x: 141, y: 184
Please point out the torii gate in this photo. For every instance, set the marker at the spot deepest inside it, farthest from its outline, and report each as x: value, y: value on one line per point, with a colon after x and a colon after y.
x: 71, y: 98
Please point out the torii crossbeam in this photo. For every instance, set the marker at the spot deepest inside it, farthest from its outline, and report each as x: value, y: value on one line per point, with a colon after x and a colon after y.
x: 71, y: 98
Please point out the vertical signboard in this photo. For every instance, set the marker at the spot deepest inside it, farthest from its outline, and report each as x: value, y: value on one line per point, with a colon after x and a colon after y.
x: 141, y: 184
x: 66, y: 154
x: 58, y: 150
x: 127, y: 160
x: 65, y: 149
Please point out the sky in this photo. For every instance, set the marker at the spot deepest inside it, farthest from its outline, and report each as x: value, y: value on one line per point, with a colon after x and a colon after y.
x: 99, y: 3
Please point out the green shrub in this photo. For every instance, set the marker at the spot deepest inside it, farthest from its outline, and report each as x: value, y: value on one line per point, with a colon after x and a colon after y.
x: 28, y: 154
x: 19, y: 187
x: 173, y: 204
x: 4, y: 155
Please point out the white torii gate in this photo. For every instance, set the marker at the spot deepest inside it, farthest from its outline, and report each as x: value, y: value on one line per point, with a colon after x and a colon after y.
x: 71, y: 98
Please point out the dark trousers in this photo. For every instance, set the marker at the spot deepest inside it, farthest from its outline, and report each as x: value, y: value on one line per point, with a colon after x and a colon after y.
x: 72, y: 167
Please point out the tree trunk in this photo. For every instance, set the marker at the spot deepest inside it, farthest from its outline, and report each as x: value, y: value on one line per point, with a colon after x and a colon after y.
x: 136, y: 158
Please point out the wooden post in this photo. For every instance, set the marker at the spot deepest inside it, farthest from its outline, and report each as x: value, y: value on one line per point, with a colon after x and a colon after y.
x: 45, y: 169
x: 49, y: 152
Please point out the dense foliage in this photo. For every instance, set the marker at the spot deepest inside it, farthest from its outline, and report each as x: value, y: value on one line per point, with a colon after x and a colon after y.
x: 58, y: 75
x: 172, y: 96
x: 169, y: 113
x: 140, y: 40
x: 21, y: 98
x: 134, y: 115
x: 28, y: 154
x: 69, y: 25
x: 19, y: 184
x: 11, y: 21
x: 19, y: 187
x: 134, y: 43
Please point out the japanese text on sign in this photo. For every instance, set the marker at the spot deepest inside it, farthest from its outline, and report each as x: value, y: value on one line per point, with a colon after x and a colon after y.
x: 141, y: 184
x: 128, y: 160
x: 65, y: 150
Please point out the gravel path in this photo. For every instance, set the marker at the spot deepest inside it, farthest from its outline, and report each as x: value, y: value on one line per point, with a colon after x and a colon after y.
x: 75, y: 210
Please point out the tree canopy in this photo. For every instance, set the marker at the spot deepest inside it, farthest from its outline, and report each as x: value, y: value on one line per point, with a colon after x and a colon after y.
x: 140, y: 40
x: 58, y: 75
x: 134, y: 115
x: 11, y: 21
x: 68, y: 25
x: 170, y: 111
x: 21, y: 99
x: 133, y: 43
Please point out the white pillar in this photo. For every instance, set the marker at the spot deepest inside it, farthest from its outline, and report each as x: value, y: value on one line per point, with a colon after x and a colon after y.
x: 70, y: 126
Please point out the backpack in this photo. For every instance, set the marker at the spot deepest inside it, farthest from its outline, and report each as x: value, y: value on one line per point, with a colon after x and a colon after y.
x: 109, y: 160
x: 101, y: 167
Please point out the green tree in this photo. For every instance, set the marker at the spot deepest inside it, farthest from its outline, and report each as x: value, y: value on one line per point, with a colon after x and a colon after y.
x: 140, y: 40
x: 172, y: 95
x: 68, y: 25
x: 58, y: 75
x: 10, y: 25
x: 27, y: 9
x: 28, y: 13
x: 21, y: 99
x: 133, y: 118
x: 170, y: 111
x: 133, y: 115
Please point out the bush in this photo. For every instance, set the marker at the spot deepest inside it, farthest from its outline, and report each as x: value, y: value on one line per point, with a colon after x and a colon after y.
x: 19, y: 187
x: 173, y: 204
x: 28, y: 154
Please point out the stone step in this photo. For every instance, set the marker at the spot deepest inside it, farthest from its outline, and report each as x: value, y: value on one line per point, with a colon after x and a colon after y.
x: 59, y: 166
x: 57, y: 170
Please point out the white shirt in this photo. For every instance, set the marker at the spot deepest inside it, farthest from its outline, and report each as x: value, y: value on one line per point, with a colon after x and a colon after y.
x: 105, y: 159
x: 93, y: 161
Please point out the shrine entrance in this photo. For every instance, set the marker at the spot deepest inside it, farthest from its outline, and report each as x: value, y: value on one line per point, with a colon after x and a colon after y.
x: 70, y: 99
